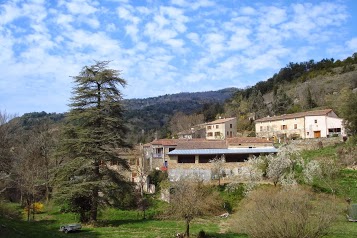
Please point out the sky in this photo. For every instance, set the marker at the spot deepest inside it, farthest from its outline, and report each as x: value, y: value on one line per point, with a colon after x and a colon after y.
x: 161, y: 47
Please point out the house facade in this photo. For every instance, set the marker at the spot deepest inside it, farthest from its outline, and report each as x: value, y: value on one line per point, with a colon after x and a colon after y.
x: 221, y: 129
x: 192, y: 157
x: 155, y: 153
x: 311, y: 124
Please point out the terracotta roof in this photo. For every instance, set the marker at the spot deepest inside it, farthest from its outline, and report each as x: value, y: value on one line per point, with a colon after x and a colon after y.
x: 201, y: 144
x: 295, y: 115
x: 165, y: 142
x: 220, y: 121
x: 239, y: 140
x: 224, y: 151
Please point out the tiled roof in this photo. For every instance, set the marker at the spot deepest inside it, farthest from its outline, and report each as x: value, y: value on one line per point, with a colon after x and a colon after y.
x: 201, y: 144
x: 223, y: 120
x: 239, y: 140
x: 165, y: 142
x: 223, y: 151
x: 295, y: 115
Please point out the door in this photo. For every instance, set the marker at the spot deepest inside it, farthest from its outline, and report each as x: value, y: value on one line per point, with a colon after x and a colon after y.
x: 317, y: 134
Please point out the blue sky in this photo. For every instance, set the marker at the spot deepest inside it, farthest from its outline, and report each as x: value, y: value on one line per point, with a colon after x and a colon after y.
x: 161, y: 47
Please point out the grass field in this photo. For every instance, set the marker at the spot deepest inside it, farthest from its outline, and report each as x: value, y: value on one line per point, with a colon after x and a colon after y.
x: 114, y: 223
x: 128, y: 224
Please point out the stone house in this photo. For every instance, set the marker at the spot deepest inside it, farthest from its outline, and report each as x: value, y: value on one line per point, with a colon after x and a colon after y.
x: 311, y: 124
x: 193, y: 156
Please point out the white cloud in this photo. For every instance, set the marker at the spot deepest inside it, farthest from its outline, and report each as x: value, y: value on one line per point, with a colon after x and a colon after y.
x: 81, y: 7
x: 247, y: 11
x: 8, y: 13
x: 194, y: 37
x: 194, y: 5
x: 352, y: 44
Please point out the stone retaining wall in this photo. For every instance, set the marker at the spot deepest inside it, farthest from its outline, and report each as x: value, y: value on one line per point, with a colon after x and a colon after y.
x: 316, y: 143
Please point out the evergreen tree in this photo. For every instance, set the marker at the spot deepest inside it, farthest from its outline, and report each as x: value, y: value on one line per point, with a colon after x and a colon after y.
x: 347, y: 109
x: 282, y: 102
x: 93, y: 133
x: 310, y: 103
x: 257, y: 104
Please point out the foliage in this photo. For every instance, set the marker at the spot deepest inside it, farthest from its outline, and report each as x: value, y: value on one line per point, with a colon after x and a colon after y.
x: 93, y: 134
x: 348, y: 111
x: 8, y: 211
x: 348, y: 156
x: 281, y: 103
x: 156, y: 177
x: 37, y: 207
x: 273, y: 212
x: 6, y: 149
x: 232, y: 194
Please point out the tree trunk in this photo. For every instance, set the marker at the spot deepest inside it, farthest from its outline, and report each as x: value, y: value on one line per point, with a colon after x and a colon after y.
x: 94, y: 207
x: 95, y: 195
x: 33, y: 210
x: 28, y: 205
x: 187, y: 232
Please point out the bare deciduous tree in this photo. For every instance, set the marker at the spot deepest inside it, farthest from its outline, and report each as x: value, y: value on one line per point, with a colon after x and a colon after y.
x: 180, y: 121
x: 190, y: 198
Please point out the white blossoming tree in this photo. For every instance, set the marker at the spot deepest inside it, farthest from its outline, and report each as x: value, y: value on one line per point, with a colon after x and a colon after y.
x: 218, y: 163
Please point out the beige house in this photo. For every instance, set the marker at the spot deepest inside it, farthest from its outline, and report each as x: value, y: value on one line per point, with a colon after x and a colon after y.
x: 311, y: 124
x: 221, y: 129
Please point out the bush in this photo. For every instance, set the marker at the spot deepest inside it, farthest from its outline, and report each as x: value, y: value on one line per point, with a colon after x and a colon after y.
x: 8, y: 211
x: 273, y: 212
x: 201, y: 234
x: 37, y: 207
x: 156, y: 176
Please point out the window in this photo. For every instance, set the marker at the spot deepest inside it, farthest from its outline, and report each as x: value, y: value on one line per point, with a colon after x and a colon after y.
x: 227, y: 133
x: 295, y: 126
x: 209, y: 127
x: 307, y: 133
x: 217, y: 126
x: 267, y: 128
x: 209, y: 134
x: 217, y: 133
x: 230, y: 126
x: 284, y: 127
x: 186, y: 159
x: 315, y: 121
x: 261, y: 128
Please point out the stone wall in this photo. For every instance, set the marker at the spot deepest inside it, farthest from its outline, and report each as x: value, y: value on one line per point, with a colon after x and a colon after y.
x: 315, y: 143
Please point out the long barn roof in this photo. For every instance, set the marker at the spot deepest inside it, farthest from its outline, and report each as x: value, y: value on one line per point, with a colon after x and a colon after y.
x: 295, y: 115
x: 224, y: 151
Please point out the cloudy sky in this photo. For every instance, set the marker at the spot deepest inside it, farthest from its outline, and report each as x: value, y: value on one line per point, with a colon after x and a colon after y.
x: 161, y: 47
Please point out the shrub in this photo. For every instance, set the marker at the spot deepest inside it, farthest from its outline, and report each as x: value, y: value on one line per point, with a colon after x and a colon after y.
x: 156, y: 176
x: 201, y: 234
x: 274, y: 212
x: 37, y: 207
x: 8, y: 211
